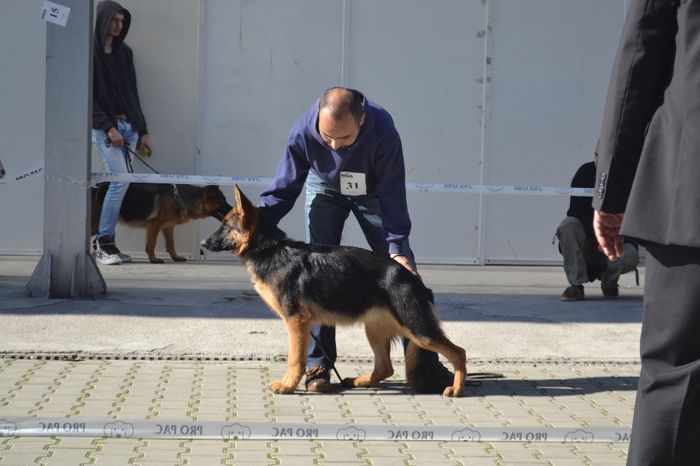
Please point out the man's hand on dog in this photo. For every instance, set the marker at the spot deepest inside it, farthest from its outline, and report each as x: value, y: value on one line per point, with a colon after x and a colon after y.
x: 403, y: 260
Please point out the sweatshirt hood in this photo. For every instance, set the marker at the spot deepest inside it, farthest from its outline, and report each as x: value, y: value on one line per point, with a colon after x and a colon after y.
x: 105, y: 12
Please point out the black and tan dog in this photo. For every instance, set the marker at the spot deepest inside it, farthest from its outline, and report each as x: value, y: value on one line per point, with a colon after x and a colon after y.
x: 334, y: 285
x: 159, y: 207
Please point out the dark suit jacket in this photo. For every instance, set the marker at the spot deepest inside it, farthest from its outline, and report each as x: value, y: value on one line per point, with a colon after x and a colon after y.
x: 581, y: 206
x: 649, y: 162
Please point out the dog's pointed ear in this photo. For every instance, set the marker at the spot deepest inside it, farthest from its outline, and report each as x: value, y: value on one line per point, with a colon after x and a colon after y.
x: 237, y: 195
x: 247, y: 212
x: 242, y: 202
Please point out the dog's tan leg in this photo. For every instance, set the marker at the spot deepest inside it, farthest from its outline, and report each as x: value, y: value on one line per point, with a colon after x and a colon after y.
x: 379, y: 337
x: 455, y: 354
x: 168, y: 234
x: 298, y: 331
x: 152, y: 229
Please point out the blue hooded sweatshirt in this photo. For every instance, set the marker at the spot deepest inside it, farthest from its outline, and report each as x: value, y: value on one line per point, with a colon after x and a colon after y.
x: 377, y: 153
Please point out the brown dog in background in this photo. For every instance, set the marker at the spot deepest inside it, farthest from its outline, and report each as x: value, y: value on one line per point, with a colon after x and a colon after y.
x: 159, y: 207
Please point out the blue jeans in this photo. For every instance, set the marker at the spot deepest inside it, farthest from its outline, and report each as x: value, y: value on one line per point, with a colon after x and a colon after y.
x: 116, y: 160
x: 326, y: 211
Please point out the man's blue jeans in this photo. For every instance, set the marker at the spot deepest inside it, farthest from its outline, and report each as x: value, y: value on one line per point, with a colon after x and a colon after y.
x: 116, y: 160
x: 326, y: 211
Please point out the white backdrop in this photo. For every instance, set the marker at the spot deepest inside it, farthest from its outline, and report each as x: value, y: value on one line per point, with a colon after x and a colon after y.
x: 482, y: 92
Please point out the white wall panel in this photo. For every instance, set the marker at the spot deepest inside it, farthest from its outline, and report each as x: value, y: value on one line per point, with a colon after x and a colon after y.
x: 262, y: 63
x: 22, y: 95
x: 423, y: 62
x: 482, y: 91
x: 551, y: 62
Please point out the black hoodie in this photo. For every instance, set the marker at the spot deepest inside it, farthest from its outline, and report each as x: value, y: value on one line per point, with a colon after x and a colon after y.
x: 121, y: 81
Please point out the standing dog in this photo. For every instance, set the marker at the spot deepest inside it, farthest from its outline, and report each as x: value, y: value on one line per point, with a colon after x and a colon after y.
x: 333, y: 285
x: 159, y: 207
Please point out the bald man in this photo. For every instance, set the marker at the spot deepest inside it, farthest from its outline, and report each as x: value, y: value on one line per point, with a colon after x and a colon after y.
x: 347, y: 151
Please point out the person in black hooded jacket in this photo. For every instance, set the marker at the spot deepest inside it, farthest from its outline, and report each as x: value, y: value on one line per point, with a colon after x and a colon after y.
x: 583, y: 260
x: 117, y: 119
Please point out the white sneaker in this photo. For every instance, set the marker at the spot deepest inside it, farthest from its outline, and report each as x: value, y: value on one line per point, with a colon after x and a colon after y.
x: 106, y: 254
x: 124, y: 257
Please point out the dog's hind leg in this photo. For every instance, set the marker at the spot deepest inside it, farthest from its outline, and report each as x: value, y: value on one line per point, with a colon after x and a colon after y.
x: 168, y: 234
x: 298, y: 331
x: 455, y: 354
x: 380, y: 336
x: 152, y: 229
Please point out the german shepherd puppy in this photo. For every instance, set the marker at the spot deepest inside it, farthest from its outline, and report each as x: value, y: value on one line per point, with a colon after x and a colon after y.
x: 334, y: 285
x: 159, y: 207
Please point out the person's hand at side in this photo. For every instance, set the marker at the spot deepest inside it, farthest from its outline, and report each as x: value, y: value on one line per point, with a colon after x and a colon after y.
x: 607, y: 230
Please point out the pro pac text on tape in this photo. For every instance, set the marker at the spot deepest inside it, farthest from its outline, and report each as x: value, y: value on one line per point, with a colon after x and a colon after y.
x: 250, y: 430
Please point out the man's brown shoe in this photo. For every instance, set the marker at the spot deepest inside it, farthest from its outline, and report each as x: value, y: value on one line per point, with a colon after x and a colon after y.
x: 573, y: 293
x: 318, y: 379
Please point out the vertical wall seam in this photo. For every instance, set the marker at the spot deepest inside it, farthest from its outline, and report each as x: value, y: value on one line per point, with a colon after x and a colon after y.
x: 345, y: 44
x: 485, y: 102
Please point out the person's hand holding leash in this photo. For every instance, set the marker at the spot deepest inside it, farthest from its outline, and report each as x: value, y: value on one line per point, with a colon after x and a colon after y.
x: 607, y: 230
x: 114, y: 137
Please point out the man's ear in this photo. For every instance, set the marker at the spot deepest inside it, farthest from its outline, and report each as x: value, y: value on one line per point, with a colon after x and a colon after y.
x: 247, y: 212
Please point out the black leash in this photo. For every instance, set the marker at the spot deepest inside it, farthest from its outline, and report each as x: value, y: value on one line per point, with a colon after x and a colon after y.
x: 320, y: 346
x: 108, y: 143
x: 475, y: 378
x: 178, y: 198
x: 140, y: 159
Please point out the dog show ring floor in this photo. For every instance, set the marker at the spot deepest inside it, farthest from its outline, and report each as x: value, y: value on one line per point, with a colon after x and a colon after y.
x: 173, y: 368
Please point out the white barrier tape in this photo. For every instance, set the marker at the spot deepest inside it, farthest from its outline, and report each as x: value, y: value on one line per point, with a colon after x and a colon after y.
x: 23, y: 175
x: 422, y: 187
x: 199, y: 180
x: 181, y: 179
x: 242, y: 430
x: 68, y: 179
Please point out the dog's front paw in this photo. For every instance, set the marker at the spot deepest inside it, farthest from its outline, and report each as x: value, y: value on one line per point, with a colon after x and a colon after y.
x: 277, y: 386
x: 155, y: 260
x: 179, y: 258
x: 452, y: 392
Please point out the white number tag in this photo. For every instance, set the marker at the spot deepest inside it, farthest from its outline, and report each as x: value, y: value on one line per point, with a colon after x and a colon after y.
x: 353, y: 184
x: 55, y: 13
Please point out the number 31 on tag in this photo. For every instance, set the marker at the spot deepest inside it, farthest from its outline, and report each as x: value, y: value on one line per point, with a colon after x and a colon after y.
x: 353, y: 184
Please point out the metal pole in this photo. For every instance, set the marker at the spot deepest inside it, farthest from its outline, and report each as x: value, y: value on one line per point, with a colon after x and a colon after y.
x: 67, y: 269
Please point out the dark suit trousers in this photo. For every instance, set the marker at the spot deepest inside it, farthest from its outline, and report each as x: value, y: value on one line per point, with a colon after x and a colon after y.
x: 666, y: 426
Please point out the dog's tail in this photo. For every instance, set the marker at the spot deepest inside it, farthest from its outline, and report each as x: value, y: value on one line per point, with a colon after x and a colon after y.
x: 424, y: 372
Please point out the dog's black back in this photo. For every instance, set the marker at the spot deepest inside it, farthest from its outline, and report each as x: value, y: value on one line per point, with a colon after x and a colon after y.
x: 345, y: 280
x: 141, y: 199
